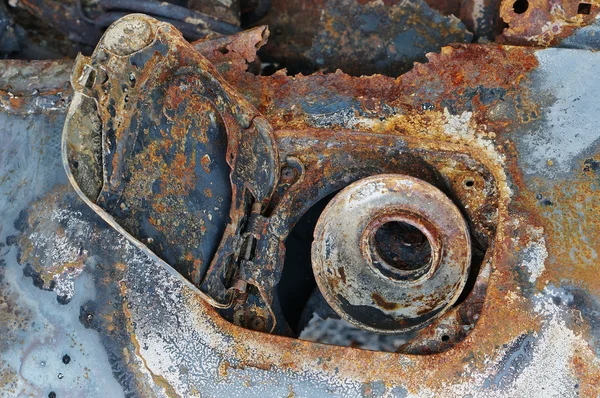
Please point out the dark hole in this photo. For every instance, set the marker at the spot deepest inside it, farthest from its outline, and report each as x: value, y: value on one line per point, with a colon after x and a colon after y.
x: 66, y: 359
x: 52, y: 394
x: 297, y: 279
x: 445, y: 338
x: 520, y: 6
x: 469, y: 183
x: 402, y: 246
x: 584, y: 8
x: 91, y: 80
x: 75, y: 164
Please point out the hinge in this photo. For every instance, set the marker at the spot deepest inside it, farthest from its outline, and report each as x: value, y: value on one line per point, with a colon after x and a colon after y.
x: 249, y: 238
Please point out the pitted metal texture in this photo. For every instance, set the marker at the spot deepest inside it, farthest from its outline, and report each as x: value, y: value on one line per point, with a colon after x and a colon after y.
x: 370, y: 291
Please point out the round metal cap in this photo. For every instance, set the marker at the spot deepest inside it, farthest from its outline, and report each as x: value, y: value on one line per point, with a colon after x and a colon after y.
x: 128, y: 35
x: 391, y: 253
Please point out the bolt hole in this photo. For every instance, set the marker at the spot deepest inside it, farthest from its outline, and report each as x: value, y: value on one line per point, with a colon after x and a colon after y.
x: 520, y: 6
x: 584, y: 8
x: 445, y: 338
x: 402, y: 246
x: 469, y: 183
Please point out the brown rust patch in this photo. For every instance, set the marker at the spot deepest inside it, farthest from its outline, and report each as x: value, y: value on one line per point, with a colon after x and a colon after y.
x: 453, y: 72
x: 544, y: 22
x: 205, y: 161
x: 381, y: 302
x: 427, y: 120
x: 224, y: 369
x: 234, y: 53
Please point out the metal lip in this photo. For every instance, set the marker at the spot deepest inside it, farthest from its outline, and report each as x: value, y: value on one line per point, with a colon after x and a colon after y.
x: 365, y: 296
x: 374, y: 259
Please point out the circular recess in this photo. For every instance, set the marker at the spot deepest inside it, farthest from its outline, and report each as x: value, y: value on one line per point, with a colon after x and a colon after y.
x: 391, y: 253
x: 401, y: 246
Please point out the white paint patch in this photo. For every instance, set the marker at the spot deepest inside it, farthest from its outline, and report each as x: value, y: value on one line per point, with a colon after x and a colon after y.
x: 460, y: 126
x: 548, y: 372
x: 535, y: 255
x: 345, y: 118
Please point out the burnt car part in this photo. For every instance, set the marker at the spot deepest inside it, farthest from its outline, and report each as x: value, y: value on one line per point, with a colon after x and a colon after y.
x: 351, y: 253
x: 191, y: 169
x: 502, y: 136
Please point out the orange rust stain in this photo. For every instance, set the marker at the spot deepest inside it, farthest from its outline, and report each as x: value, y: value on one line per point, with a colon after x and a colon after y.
x: 223, y: 369
x: 566, y: 209
x: 588, y: 376
x: 196, y: 271
x: 16, y: 102
x: 205, y: 162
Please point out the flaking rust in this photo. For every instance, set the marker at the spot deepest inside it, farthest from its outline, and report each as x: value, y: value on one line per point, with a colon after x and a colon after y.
x: 448, y: 103
x: 547, y: 23
x: 469, y: 114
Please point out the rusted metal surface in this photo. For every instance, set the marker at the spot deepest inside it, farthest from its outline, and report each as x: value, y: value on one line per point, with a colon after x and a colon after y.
x: 184, y: 202
x: 65, y: 17
x: 502, y: 125
x: 482, y: 17
x: 366, y: 289
x: 32, y: 88
x: 226, y: 10
x: 380, y: 38
x: 358, y: 37
x: 548, y: 23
